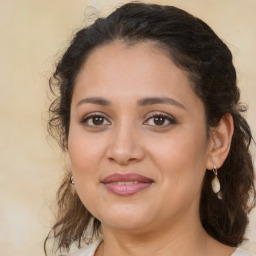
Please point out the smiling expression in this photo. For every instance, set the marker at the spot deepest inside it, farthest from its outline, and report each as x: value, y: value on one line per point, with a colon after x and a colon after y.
x: 137, y: 140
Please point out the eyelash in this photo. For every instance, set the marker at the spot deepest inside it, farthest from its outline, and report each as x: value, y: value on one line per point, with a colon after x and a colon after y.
x: 167, y: 118
x: 90, y: 117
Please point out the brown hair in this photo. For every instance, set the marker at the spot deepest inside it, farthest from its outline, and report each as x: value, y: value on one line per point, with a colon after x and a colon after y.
x: 194, y: 47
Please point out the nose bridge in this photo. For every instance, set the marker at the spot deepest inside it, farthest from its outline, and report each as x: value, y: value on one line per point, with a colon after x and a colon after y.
x: 125, y: 144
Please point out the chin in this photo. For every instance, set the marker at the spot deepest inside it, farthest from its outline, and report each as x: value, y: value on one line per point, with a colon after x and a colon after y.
x: 129, y: 219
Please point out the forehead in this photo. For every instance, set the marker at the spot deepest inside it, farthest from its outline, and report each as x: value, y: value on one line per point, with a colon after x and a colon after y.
x: 135, y: 71
x: 129, y: 61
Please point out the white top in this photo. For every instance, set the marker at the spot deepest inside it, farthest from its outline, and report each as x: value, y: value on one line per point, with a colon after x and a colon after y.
x: 90, y: 251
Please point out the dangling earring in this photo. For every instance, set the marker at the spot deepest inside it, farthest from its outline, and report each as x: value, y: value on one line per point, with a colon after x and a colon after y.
x: 72, y: 180
x: 216, y: 183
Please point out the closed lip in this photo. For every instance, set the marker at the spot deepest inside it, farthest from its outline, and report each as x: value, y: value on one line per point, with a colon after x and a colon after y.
x: 132, y: 177
x: 126, y: 184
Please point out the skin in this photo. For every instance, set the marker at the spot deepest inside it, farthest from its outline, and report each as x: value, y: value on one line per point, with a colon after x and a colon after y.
x: 163, y: 219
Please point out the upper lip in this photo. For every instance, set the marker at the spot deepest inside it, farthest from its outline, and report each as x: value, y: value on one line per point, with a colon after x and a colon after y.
x: 117, y: 177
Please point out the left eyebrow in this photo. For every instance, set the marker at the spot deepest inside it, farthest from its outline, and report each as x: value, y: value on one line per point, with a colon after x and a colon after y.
x: 159, y: 100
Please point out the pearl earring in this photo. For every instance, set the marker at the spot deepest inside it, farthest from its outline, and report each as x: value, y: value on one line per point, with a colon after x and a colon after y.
x: 72, y: 180
x: 216, y: 183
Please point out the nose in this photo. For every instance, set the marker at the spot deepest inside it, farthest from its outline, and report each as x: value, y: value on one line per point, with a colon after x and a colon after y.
x: 125, y: 146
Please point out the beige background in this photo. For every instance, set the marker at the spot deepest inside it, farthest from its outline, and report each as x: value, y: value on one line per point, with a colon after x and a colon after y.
x: 33, y: 34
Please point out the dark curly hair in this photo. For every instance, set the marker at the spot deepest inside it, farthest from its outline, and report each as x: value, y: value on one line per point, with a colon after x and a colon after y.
x: 195, y: 48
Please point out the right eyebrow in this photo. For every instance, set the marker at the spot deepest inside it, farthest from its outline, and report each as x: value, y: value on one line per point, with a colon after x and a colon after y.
x: 94, y: 100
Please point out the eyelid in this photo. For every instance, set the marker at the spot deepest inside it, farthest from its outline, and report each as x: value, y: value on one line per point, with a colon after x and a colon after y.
x: 94, y: 114
x: 150, y: 115
x: 169, y: 117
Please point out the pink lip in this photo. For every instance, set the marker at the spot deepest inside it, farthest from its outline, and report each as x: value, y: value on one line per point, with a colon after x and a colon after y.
x: 133, y: 183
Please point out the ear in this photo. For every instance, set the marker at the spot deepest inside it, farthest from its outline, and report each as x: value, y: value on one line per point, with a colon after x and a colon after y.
x: 220, y: 141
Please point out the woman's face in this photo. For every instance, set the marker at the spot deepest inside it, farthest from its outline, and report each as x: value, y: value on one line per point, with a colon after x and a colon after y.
x: 137, y: 140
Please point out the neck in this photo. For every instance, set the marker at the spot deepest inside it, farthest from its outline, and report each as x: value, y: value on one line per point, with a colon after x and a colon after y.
x: 184, y: 238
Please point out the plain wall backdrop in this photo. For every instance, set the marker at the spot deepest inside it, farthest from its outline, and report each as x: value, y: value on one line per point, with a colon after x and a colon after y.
x: 33, y: 34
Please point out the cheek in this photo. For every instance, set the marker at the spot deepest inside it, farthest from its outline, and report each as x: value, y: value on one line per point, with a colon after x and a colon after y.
x: 182, y: 174
x: 183, y: 148
x: 84, y: 157
x: 84, y: 150
x: 181, y: 159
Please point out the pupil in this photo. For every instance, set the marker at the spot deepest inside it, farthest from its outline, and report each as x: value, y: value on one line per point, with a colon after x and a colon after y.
x: 159, y: 120
x: 97, y: 120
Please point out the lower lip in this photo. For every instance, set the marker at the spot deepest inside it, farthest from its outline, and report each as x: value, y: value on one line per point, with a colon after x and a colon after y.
x: 126, y: 190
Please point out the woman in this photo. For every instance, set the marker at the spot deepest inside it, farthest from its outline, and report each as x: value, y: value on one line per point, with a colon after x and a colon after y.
x: 149, y: 112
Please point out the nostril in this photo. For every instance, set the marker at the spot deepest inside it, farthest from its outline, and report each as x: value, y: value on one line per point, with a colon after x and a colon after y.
x: 122, y: 160
x: 125, y: 157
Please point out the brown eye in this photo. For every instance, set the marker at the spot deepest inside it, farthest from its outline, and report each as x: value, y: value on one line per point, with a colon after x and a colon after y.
x: 160, y: 120
x: 95, y: 120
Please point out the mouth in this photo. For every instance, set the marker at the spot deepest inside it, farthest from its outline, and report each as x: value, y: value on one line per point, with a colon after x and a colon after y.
x: 126, y: 184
